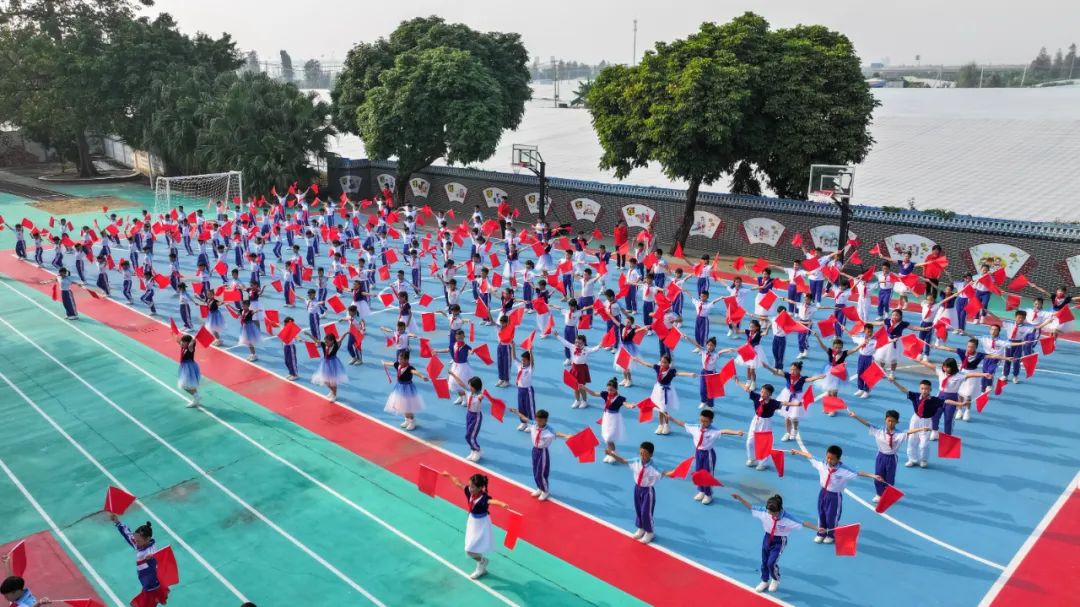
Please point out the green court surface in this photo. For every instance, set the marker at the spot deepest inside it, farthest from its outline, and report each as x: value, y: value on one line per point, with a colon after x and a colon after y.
x: 264, y: 525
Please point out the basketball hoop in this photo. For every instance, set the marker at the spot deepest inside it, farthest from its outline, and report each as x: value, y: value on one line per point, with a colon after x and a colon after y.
x: 821, y: 196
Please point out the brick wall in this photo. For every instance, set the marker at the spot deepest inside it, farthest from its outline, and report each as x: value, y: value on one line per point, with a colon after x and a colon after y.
x: 1049, y: 245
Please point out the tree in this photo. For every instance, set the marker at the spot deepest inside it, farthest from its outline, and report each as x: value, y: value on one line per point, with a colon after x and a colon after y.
x: 251, y: 62
x: 432, y: 90
x: 286, y: 67
x: 735, y: 99
x: 968, y: 76
x: 313, y: 74
x: 53, y: 74
x: 581, y: 93
x: 1040, y: 66
x: 266, y: 128
x: 1057, y: 69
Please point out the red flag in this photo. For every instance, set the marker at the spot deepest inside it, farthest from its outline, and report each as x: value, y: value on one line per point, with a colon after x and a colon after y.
x: 789, y: 324
x: 312, y: 349
x: 948, y: 446
x: 204, y: 337
x: 585, y: 322
x: 797, y: 240
x: 678, y: 252
x: 767, y: 300
x: 582, y: 442
x: 528, y: 343
x: 763, y: 442
x: 498, y: 407
x: 981, y: 401
x: 683, y: 468
x: 875, y: 250
x: 483, y: 354
x: 739, y: 263
x: 335, y: 304
x: 17, y: 559
x: 425, y: 300
x: 513, y: 529
x: 289, y: 332
x: 913, y: 346
x: 81, y: 603
x: 1064, y: 315
x: 727, y: 371
x: 1012, y: 302
x: 645, y: 410
x: 672, y: 339
x: 56, y: 292
x: 442, y: 386
x: 168, y: 574
x: 890, y: 496
x: 847, y: 538
x: 714, y: 385
x: 999, y: 385
x: 387, y: 299
x: 569, y: 379
x: 1048, y: 344
x: 832, y: 404
x: 873, y: 374
x: 1018, y: 283
x: 425, y: 348
x: 702, y: 478
x: 1029, y: 363
x: 482, y: 311
x: 434, y: 367
x: 172, y: 327
x: 760, y: 265
x: 855, y: 259
x: 427, y: 479
x: 540, y: 306
x: 427, y: 320
x: 827, y: 327
x: 808, y: 397
x: 777, y: 456
x: 746, y: 352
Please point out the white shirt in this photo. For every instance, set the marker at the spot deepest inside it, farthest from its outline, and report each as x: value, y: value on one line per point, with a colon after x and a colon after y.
x: 709, y: 360
x: 645, y: 475
x: 881, y: 436
x: 541, y: 437
x: 777, y: 330
x: 524, y: 376
x: 578, y: 356
x: 950, y: 383
x: 840, y: 477
x: 1015, y: 332
x: 783, y: 526
x: 993, y: 345
x: 473, y: 402
x: 702, y: 307
x: 711, y: 435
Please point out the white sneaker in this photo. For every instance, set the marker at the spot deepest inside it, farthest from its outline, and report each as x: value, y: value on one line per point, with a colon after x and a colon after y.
x: 877, y: 498
x: 933, y: 435
x: 543, y: 496
x: 573, y: 405
x: 761, y: 587
x: 696, y: 350
x: 411, y: 425
x: 729, y: 333
x: 910, y: 463
x: 786, y: 437
x: 566, y: 362
x: 523, y: 426
x: 699, y: 496
x: 701, y: 405
x: 481, y: 569
x: 471, y: 456
x: 818, y: 539
x: 802, y: 355
x: 753, y: 385
x: 638, y: 534
x: 403, y: 424
x: 194, y: 403
x: 761, y: 465
x: 659, y: 429
x: 829, y: 540
x: 536, y: 493
x: 750, y: 463
x: 858, y: 394
x: 1016, y: 379
x: 923, y: 464
x: 608, y: 459
x: 891, y: 375
x: 967, y: 414
x: 583, y: 404
x: 667, y: 430
x: 457, y: 401
x: 706, y: 500
x: 865, y: 395
x: 648, y: 537
x: 959, y: 414
x: 773, y: 585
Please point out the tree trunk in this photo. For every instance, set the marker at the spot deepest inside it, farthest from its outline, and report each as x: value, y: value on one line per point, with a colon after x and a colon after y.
x: 401, y: 185
x: 86, y: 164
x: 688, y: 213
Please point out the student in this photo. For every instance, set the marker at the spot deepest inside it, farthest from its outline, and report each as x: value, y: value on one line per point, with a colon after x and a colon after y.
x: 541, y: 436
x: 460, y: 370
x: 63, y: 281
x: 142, y: 540
x: 478, y: 526
x: 404, y: 400
x: 925, y: 408
x: 526, y: 396
x: 330, y: 372
x: 474, y: 414
x: 188, y: 376
x: 505, y: 352
x: 950, y: 378
x: 250, y: 335
x: 611, y: 423
x: 14, y: 589
x: 289, y: 353
x: 645, y: 477
x: 579, y: 368
x: 764, y: 408
x: 888, y: 443
x: 889, y: 354
x: 778, y: 525
x: 794, y: 385
x: 663, y: 395
x: 834, y: 476
x: 753, y: 339
x: 704, y: 435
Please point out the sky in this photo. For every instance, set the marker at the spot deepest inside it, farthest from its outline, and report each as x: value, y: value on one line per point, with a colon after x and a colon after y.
x: 939, y: 31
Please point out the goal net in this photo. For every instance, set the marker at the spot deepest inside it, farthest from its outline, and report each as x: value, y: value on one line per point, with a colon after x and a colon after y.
x: 195, y: 191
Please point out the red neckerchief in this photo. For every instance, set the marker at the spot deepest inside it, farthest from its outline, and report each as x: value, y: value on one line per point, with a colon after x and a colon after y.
x: 919, y: 409
x: 772, y: 532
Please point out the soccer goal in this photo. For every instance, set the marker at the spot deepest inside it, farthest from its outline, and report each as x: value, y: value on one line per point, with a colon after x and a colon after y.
x: 194, y: 191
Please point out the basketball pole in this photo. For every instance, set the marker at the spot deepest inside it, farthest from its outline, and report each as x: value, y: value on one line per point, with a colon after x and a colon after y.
x: 845, y: 220
x: 543, y: 191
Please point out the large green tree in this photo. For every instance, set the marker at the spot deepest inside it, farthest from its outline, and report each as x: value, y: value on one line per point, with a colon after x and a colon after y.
x: 735, y: 99
x: 432, y: 90
x: 263, y: 127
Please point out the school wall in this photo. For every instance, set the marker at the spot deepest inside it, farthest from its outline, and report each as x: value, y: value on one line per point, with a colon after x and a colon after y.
x: 1042, y: 252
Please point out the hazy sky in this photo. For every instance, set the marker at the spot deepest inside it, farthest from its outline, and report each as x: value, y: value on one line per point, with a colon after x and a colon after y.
x: 941, y: 31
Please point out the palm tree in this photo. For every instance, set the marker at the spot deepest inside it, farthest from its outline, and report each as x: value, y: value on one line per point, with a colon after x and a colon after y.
x: 581, y: 93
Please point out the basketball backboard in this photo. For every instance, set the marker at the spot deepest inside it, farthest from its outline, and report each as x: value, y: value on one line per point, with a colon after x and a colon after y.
x: 830, y: 183
x: 525, y: 156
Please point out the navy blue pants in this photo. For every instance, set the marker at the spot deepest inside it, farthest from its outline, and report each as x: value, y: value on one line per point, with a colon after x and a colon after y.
x: 526, y: 402
x: 705, y: 459
x: 69, y: 302
x: 473, y: 420
x: 644, y: 505
x: 502, y: 354
x: 885, y: 467
x: 884, y: 297
x: 829, y: 507
x: 290, y: 359
x: 779, y: 347
x: 865, y: 360
x: 771, y: 549
x: 541, y: 466
x: 948, y: 412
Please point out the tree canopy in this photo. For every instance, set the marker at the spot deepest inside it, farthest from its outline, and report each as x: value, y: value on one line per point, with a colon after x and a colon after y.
x: 432, y: 90
x: 736, y: 99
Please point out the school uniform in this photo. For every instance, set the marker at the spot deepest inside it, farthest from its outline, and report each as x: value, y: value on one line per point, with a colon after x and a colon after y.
x: 663, y: 395
x: 704, y: 455
x: 762, y: 420
x: 888, y: 445
x: 474, y: 418
x: 633, y: 276
x: 889, y: 354
x: 701, y: 321
x: 816, y: 278
x: 709, y: 361
x: 793, y: 390
x: 948, y: 389
x: 526, y: 397
x: 541, y: 461
x: 765, y: 285
x: 611, y: 423
x: 779, y: 343
x: 289, y: 353
x: 831, y: 497
x: 992, y: 346
x: 67, y: 297
x: 773, y: 543
x: 645, y: 477
x: 925, y: 410
x: 866, y: 358
x: 152, y: 593
x: 459, y: 363
x: 478, y: 525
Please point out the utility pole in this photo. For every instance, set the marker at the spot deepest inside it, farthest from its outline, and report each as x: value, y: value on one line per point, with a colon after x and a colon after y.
x: 633, y: 59
x: 982, y: 71
x: 1071, y: 67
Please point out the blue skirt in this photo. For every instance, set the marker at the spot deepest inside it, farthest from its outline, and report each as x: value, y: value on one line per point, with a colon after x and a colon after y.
x: 249, y: 334
x: 188, y: 376
x: 215, y: 321
x: 404, y: 398
x: 331, y: 372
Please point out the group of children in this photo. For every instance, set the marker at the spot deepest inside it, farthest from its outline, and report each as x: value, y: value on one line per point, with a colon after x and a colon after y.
x: 254, y: 238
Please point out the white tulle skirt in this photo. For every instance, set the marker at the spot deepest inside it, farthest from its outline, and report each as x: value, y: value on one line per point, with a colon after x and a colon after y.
x: 404, y: 398
x: 188, y: 377
x: 331, y: 372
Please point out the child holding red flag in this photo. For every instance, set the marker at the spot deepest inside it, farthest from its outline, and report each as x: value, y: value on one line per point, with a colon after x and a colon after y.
x: 460, y: 370
x: 579, y: 367
x: 478, y: 526
x: 474, y: 413
x: 505, y: 351
x: 188, y: 376
x: 778, y: 525
x: 834, y: 476
x: 142, y: 540
x: 704, y: 436
x: 765, y: 406
x: 663, y: 395
x: 404, y: 400
x: 950, y: 378
x: 541, y: 436
x: 330, y: 372
x: 794, y: 385
x: 64, y: 282
x: 645, y: 477
x: 888, y: 443
x: 526, y: 397
x: 611, y: 424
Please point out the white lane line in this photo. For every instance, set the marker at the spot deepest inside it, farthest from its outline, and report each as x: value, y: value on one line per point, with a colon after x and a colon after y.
x: 909, y: 528
x: 187, y: 460
x: 115, y: 481
x: 63, y: 537
x: 667, y: 551
x: 183, y: 397
x: 1028, y: 544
